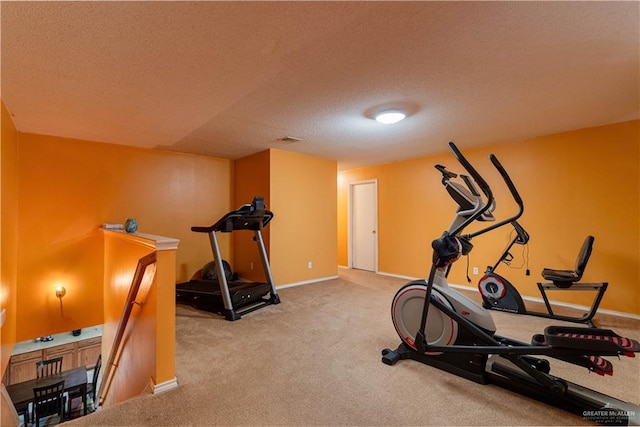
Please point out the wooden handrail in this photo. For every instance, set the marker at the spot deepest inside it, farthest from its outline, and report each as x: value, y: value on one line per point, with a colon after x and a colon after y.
x: 143, y: 263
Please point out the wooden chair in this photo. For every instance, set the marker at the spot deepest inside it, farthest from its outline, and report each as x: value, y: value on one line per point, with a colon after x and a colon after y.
x: 46, y: 368
x: 92, y: 387
x: 48, y: 400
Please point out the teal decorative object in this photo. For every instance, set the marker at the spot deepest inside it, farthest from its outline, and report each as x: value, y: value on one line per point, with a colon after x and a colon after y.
x: 131, y: 225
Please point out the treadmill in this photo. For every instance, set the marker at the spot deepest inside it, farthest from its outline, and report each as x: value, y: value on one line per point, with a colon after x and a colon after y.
x: 232, y: 299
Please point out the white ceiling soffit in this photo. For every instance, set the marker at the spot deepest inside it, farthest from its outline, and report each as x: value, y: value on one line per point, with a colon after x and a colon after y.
x: 230, y: 79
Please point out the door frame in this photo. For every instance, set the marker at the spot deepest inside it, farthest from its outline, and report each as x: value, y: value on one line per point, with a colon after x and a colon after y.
x: 350, y: 222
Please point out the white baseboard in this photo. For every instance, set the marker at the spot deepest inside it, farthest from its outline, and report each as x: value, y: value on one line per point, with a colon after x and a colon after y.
x: 165, y: 386
x: 532, y: 299
x: 399, y: 276
x: 305, y: 282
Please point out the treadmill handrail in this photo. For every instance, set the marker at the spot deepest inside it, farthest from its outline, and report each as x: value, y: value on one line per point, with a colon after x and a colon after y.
x: 246, y: 217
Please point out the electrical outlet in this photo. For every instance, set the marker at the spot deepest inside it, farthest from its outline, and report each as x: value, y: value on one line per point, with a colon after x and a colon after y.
x: 309, y: 264
x: 251, y: 265
x: 475, y: 271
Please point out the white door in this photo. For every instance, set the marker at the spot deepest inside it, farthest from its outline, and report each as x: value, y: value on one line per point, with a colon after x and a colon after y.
x: 364, y: 225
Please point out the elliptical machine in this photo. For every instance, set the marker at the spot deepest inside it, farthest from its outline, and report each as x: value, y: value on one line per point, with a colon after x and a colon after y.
x: 440, y: 327
x: 499, y: 294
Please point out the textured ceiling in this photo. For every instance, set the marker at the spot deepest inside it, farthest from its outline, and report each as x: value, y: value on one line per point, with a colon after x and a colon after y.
x: 232, y: 78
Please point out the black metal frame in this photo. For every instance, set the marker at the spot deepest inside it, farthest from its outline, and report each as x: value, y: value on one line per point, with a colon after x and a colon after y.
x: 587, y: 318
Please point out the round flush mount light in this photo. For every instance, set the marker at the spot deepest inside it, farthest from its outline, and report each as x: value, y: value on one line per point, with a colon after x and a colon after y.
x: 390, y: 116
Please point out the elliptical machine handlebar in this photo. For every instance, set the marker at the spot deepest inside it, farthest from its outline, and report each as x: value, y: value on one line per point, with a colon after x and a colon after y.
x: 507, y: 180
x: 479, y: 181
x: 514, y: 193
x: 488, y: 193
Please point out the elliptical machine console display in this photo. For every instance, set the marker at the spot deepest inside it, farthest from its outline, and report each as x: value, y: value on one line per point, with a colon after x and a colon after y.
x: 440, y: 327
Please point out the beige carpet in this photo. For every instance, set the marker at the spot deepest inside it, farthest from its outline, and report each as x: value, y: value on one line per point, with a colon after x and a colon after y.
x: 315, y: 360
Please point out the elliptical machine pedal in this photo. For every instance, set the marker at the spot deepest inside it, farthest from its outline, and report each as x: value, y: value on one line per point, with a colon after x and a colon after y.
x: 593, y: 363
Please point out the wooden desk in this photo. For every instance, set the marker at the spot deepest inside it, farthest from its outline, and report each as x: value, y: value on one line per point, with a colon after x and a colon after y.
x: 74, y: 379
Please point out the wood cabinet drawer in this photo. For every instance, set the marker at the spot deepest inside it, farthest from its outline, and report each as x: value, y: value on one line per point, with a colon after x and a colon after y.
x: 35, y: 355
x: 90, y: 342
x: 57, y: 350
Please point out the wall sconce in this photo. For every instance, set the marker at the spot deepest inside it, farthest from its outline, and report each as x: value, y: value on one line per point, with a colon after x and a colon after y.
x: 60, y: 292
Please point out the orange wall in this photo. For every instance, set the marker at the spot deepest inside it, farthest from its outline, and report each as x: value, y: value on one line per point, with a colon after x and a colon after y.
x: 573, y: 184
x: 68, y: 188
x: 304, y: 229
x: 250, y: 179
x: 8, y: 234
x: 301, y: 192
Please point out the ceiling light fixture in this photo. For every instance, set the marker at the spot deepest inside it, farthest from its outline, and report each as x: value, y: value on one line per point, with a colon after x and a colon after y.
x: 390, y: 116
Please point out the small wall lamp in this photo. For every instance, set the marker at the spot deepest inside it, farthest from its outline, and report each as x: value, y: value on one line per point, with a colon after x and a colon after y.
x: 60, y: 292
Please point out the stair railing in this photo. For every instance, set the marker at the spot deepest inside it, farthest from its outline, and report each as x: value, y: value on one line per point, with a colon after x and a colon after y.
x: 140, y: 275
